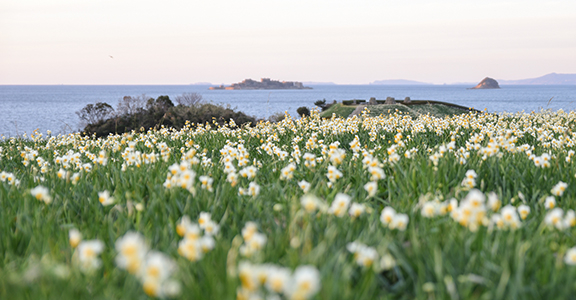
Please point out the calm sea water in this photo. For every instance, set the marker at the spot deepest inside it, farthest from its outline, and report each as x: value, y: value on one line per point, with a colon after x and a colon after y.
x: 52, y: 107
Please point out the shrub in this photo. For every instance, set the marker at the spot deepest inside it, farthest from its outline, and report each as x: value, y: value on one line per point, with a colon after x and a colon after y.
x: 303, y: 111
x: 131, y: 105
x: 159, y: 112
x: 94, y: 113
x: 188, y: 99
x: 162, y: 103
x: 321, y: 104
x: 277, y: 117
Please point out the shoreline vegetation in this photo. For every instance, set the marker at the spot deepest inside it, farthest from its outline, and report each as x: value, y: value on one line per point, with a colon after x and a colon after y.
x: 140, y: 113
x: 413, y: 108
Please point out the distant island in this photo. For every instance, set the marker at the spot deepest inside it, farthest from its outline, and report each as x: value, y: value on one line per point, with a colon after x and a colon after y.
x: 548, y: 79
x: 263, y: 84
x: 486, y: 83
x: 398, y: 82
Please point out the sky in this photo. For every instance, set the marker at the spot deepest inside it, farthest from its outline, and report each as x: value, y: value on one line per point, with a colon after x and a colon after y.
x: 226, y: 41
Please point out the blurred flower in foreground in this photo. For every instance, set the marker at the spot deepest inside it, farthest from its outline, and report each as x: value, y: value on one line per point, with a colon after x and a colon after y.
x: 570, y: 258
x: 105, y: 199
x: 74, y: 237
x: 154, y: 269
x: 41, y: 194
x: 132, y: 250
x: 340, y: 205
x: 87, y: 255
x: 559, y: 189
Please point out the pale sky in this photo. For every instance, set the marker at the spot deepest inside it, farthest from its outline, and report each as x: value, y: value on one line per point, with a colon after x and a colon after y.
x: 224, y: 41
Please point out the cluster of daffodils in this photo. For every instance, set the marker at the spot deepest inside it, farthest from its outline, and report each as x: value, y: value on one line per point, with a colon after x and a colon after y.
x: 206, y: 182
x: 240, y: 154
x: 100, y: 159
x: 333, y: 174
x: 9, y: 178
x: 87, y: 252
x: 435, y: 158
x: 393, y: 156
x: 28, y: 155
x: 559, y: 188
x: 542, y: 161
x: 335, y: 154
x: 560, y: 220
x: 274, y: 150
x: 254, y: 241
x: 374, y: 169
x: 287, y: 172
x: 190, y: 155
x: 470, y: 179
x: 248, y: 172
x: 556, y: 217
x: 569, y: 156
x: 310, y: 160
x: 268, y: 281
x: 252, y: 190
x: 508, y: 218
x: 435, y: 208
x: 393, y: 220
x: 180, y: 175
x: 69, y: 160
x: 131, y: 156
x: 473, y: 212
x: 341, y: 205
x: 195, y: 245
x: 368, y: 257
x: 153, y: 269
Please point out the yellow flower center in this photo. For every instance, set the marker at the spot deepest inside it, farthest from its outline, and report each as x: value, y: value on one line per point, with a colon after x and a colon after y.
x: 150, y: 288
x: 154, y: 272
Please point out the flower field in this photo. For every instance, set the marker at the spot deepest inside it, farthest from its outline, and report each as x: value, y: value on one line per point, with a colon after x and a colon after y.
x: 472, y: 206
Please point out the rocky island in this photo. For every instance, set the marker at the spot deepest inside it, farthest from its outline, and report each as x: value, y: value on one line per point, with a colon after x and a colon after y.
x: 263, y: 84
x: 487, y: 83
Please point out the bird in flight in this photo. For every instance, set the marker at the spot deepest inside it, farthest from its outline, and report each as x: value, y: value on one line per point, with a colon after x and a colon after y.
x: 111, y: 56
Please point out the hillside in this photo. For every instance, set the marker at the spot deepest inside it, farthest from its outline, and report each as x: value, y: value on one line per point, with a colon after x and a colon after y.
x: 434, y: 109
x: 548, y: 79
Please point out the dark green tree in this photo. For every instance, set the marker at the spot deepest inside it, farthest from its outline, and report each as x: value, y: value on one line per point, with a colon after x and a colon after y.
x: 94, y: 113
x: 303, y: 111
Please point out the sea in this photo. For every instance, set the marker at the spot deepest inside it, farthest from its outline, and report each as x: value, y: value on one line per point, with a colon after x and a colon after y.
x: 25, y: 108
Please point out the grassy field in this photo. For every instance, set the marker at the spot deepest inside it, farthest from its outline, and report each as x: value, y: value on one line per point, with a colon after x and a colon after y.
x: 339, y: 109
x: 435, y: 110
x: 470, y: 206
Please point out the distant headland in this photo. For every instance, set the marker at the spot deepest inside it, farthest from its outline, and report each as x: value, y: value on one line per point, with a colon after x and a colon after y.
x: 487, y: 83
x: 263, y: 84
